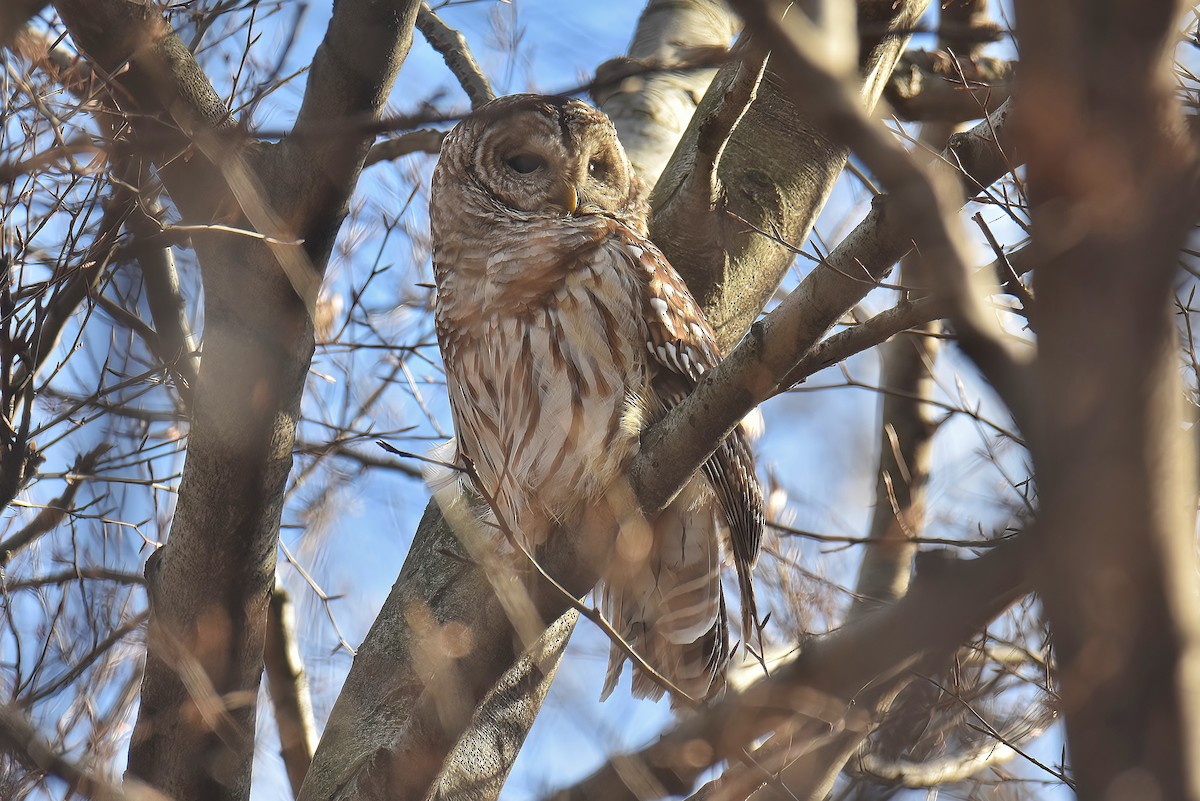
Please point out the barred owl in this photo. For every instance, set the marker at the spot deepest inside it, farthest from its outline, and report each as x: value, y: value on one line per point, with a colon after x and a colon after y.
x: 565, y: 334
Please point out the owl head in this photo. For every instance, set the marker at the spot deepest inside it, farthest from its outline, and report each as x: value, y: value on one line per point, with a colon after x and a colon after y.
x: 539, y: 156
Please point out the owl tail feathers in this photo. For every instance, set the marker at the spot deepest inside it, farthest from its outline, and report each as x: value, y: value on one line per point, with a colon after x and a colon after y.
x: 697, y: 668
x: 669, y: 605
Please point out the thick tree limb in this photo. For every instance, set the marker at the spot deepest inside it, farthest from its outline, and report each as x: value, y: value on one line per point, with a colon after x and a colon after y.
x: 1112, y: 177
x: 730, y: 268
x: 14, y: 15
x: 652, y: 111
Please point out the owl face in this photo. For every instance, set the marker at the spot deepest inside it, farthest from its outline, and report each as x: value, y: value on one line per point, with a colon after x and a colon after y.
x: 546, y: 155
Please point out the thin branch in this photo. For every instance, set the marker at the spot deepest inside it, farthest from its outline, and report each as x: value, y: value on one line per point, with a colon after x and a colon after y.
x: 457, y: 54
x: 100, y: 649
x: 1010, y: 280
x: 288, y: 688
x: 905, y: 315
x: 177, y: 345
x: 952, y: 768
x: 424, y: 140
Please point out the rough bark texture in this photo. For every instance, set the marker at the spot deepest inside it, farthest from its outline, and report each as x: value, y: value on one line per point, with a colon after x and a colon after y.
x: 1112, y: 182
x: 776, y: 171
x: 209, y: 585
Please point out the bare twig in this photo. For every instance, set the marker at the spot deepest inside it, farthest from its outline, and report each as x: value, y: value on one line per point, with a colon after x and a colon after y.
x: 903, y: 316
x: 424, y: 140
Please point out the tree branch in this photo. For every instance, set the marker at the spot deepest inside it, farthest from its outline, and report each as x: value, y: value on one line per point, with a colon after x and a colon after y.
x: 457, y: 54
x: 288, y: 688
x: 18, y: 737
x: 755, y: 369
x: 651, y: 111
x: 940, y: 87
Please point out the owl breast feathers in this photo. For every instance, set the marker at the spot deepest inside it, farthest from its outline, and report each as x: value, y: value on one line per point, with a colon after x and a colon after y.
x: 565, y: 334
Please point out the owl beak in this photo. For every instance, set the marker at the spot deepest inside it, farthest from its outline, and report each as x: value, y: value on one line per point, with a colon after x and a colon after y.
x: 567, y: 199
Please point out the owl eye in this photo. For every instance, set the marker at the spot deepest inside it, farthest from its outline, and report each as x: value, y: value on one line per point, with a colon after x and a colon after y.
x: 525, y: 163
x: 598, y: 169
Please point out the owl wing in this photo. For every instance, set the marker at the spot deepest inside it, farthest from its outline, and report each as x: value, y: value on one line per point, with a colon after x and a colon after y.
x: 683, y: 347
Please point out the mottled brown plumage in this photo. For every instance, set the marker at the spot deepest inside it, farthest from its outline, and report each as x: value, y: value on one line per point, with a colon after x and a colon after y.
x: 565, y: 334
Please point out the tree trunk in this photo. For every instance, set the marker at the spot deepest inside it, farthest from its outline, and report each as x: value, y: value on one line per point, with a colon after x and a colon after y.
x: 1108, y: 161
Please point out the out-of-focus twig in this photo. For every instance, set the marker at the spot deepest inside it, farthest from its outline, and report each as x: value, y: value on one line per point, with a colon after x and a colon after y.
x: 949, y: 87
x: 19, y: 738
